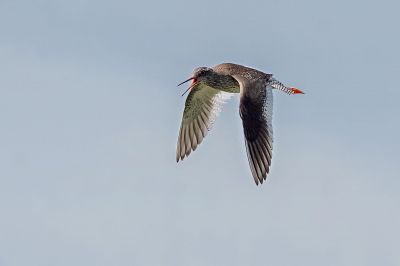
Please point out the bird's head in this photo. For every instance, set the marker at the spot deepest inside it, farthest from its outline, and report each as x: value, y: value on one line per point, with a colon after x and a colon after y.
x: 200, y: 75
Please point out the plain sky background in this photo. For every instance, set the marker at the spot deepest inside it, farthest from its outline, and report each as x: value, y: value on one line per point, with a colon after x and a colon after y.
x: 90, y: 112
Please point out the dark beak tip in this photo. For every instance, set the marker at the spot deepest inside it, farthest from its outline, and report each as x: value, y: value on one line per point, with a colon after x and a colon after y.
x: 183, y: 82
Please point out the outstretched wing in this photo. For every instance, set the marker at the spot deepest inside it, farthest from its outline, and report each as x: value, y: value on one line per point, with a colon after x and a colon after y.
x: 256, y: 113
x: 202, y: 106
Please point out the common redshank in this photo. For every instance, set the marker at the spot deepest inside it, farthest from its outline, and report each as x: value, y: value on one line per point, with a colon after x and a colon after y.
x: 210, y: 88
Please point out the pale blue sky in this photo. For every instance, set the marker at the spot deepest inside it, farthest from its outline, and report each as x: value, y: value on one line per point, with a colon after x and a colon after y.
x: 90, y: 111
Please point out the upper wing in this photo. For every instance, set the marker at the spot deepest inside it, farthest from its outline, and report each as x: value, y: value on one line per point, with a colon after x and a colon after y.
x: 256, y: 113
x: 202, y: 106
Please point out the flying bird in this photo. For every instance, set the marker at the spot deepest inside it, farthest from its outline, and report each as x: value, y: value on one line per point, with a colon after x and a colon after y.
x: 209, y: 90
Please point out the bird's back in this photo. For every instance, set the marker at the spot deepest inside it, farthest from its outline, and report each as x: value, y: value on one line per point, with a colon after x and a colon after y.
x: 242, y: 73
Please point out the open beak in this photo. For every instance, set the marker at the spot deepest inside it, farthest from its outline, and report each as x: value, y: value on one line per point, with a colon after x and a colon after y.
x: 183, y: 82
x: 191, y: 85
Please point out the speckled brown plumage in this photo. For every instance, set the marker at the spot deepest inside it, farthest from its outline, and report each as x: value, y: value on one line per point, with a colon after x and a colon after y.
x: 210, y: 88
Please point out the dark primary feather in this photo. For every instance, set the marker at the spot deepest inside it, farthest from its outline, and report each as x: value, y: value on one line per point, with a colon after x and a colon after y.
x: 256, y: 113
x: 258, y: 139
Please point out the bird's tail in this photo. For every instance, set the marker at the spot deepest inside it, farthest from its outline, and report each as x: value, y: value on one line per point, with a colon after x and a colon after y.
x: 276, y: 84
